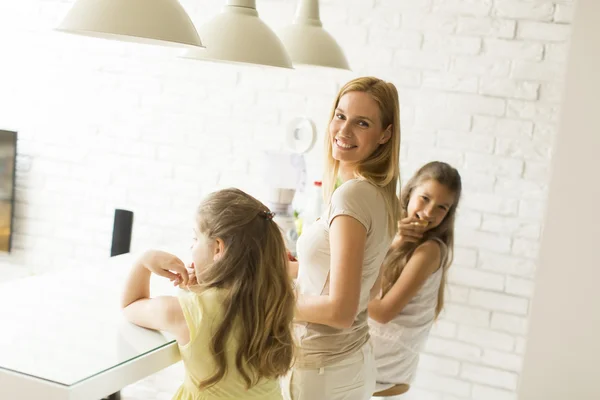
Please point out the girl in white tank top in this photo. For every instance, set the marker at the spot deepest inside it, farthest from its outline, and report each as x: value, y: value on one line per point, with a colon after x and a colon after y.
x: 413, y: 273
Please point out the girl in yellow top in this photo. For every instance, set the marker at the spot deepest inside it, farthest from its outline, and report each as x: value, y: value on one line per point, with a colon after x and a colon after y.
x: 233, y: 325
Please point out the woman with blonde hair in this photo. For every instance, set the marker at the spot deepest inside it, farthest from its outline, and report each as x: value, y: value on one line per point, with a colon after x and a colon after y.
x: 340, y: 255
x: 234, y: 324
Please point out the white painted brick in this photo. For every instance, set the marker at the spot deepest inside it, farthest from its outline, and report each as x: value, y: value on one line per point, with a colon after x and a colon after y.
x: 481, y: 65
x: 281, y: 100
x: 94, y: 173
x: 379, y: 59
x: 507, y: 264
x: 517, y: 227
x: 494, y: 165
x: 502, y: 127
x: 525, y: 148
x: 443, y: 329
x: 481, y: 392
x: 505, y: 361
x: 417, y: 393
x: 540, y: 71
x: 484, y: 240
x: 395, y: 38
x: 476, y: 278
x: 421, y: 137
x: 465, y: 315
x: 442, y: 23
x: 534, y: 10
x: 451, y: 82
x: 466, y: 141
x: 463, y: 7
x: 33, y: 225
x: 135, y: 148
x: 531, y: 208
x: 450, y: 44
x: 484, y: 26
x: 474, y: 104
x: 256, y: 114
x: 51, y: 167
x: 499, y: 302
x: 336, y: 15
x: 457, y: 294
x: 564, y: 13
x: 485, y: 338
x: 509, y: 323
x: 477, y: 181
x: 489, y: 376
x: 420, y: 60
x: 270, y: 79
x: 521, y: 188
x: 452, y: 397
x: 404, y: 77
x: 430, y: 120
x: 67, y: 152
x: 303, y: 81
x: 468, y: 218
x: 439, y: 365
x: 556, y: 52
x: 192, y: 174
x: 453, y: 386
x: 513, y: 49
x: 361, y: 16
x: 148, y: 198
x: 509, y: 88
x: 543, y: 131
x: 488, y: 203
x: 520, y: 345
x: 519, y: 287
x: 420, y: 155
x: 10, y: 272
x: 407, y: 5
x: 465, y: 257
x: 539, y: 171
x: 543, y: 31
x: 534, y: 111
x: 526, y: 248
x: 349, y: 35
x: 552, y: 92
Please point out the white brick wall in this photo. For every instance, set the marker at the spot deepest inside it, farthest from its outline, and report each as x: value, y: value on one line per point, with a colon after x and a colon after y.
x: 105, y: 124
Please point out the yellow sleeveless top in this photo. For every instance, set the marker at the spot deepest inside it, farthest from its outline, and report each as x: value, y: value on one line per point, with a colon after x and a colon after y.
x: 203, y: 313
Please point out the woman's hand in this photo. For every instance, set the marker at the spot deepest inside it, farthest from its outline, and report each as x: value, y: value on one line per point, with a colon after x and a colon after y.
x: 167, y: 265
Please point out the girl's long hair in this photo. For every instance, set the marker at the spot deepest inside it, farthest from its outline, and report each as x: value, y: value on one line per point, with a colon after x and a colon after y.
x: 260, y: 299
x: 396, y: 258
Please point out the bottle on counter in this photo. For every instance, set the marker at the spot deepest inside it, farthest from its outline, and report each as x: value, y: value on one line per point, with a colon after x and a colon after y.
x: 314, y: 205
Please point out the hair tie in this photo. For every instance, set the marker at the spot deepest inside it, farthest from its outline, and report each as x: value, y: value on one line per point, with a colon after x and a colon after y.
x: 268, y: 215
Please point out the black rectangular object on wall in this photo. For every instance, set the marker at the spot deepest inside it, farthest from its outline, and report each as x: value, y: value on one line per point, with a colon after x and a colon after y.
x: 121, y: 237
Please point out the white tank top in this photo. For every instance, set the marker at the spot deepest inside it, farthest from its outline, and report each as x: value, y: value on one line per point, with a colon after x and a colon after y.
x: 398, y: 343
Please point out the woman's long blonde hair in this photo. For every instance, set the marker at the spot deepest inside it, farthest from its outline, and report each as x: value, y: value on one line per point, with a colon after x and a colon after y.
x: 396, y: 258
x: 382, y: 168
x: 253, y: 271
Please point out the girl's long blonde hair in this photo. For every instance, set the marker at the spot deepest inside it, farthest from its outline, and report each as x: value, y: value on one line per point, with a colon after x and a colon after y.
x: 253, y: 271
x: 396, y: 258
x: 382, y: 168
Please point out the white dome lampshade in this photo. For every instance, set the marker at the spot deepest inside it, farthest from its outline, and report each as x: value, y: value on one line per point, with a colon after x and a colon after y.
x: 308, y: 43
x: 159, y: 22
x: 238, y: 35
